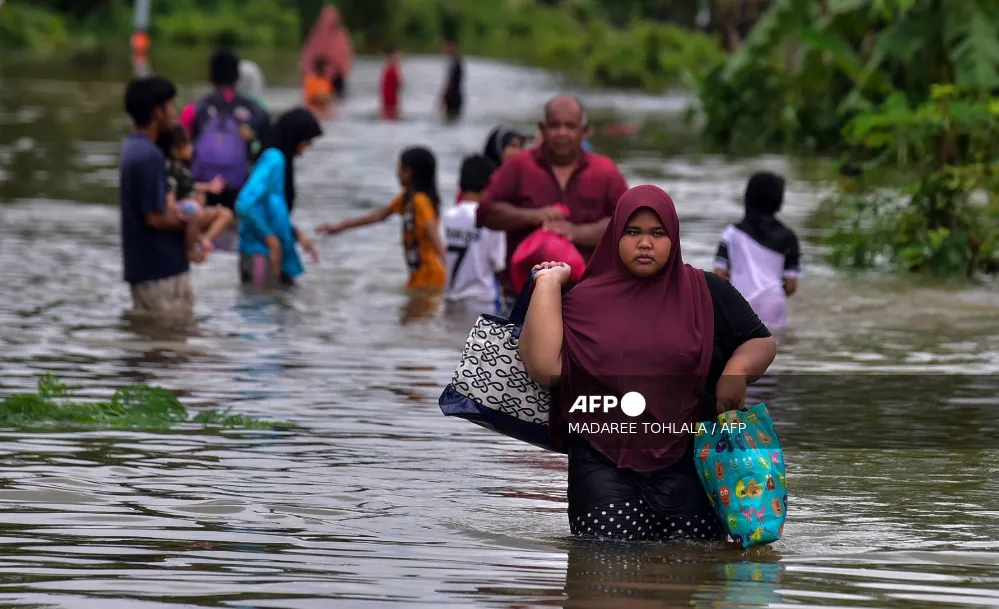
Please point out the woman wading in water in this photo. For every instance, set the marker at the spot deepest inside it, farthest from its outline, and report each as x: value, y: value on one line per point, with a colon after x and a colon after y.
x: 640, y: 320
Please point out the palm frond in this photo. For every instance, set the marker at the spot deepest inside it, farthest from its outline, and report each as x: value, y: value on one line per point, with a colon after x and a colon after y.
x: 971, y: 33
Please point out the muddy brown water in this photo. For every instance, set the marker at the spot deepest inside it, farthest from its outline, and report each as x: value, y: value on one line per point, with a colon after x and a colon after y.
x: 377, y: 499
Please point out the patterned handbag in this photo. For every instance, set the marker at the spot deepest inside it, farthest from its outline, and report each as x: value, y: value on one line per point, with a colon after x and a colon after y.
x: 491, y: 387
x: 741, y: 466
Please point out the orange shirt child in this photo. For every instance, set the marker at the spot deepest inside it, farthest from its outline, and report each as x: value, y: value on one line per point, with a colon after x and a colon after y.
x: 426, y: 267
x: 318, y: 90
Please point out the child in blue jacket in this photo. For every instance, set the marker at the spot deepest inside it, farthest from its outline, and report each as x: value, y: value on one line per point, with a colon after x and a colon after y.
x: 267, y: 238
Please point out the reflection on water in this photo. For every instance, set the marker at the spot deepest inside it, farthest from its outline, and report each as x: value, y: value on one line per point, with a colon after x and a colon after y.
x: 378, y: 499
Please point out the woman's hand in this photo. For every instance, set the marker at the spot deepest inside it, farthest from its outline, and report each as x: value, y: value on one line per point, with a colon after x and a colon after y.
x: 730, y: 393
x: 329, y: 228
x: 559, y: 272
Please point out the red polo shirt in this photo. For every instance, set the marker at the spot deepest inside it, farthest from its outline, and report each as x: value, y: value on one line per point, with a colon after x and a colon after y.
x: 527, y: 180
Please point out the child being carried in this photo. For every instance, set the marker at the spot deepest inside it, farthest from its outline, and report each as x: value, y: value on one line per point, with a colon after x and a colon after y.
x: 187, y: 197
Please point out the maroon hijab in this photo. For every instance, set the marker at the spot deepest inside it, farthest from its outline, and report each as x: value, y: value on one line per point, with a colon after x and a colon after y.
x: 653, y: 335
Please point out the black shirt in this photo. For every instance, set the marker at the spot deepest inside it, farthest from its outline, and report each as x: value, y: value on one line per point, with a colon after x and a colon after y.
x: 735, y: 323
x: 180, y: 181
x: 455, y: 74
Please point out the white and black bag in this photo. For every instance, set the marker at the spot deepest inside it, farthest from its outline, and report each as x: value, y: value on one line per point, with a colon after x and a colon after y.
x: 491, y: 386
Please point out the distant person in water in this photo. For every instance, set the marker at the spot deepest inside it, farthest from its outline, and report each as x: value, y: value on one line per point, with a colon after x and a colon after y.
x: 419, y: 205
x: 503, y: 144
x: 318, y: 91
x: 153, y: 247
x: 760, y: 256
x: 188, y: 198
x: 226, y: 130
x: 474, y: 255
x: 267, y: 237
x: 338, y: 82
x: 452, y: 96
x: 328, y: 38
x: 391, y: 85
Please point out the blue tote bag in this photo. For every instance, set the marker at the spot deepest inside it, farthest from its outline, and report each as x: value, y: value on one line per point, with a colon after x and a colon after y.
x: 491, y: 387
x: 741, y: 466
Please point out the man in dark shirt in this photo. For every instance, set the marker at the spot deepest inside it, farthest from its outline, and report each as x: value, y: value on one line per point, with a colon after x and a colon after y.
x: 522, y: 194
x: 452, y: 95
x: 152, y: 235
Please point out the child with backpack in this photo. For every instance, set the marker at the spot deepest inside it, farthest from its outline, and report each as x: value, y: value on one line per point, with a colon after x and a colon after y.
x: 760, y: 256
x: 419, y: 206
x: 474, y: 255
x: 267, y: 237
x: 204, y: 224
x: 226, y: 128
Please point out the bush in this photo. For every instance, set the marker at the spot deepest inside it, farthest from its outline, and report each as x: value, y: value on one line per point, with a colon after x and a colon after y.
x: 25, y: 26
x: 254, y: 23
x: 945, y: 222
x: 573, y: 38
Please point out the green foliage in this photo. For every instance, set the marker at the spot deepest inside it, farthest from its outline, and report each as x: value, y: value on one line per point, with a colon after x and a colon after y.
x: 23, y: 25
x: 889, y: 84
x: 53, y: 25
x: 946, y: 221
x: 825, y: 68
x: 132, y: 407
x: 575, y: 39
x: 597, y: 41
x: 264, y: 23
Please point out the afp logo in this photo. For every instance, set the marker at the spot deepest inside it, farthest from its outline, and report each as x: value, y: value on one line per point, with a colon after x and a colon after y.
x: 631, y: 403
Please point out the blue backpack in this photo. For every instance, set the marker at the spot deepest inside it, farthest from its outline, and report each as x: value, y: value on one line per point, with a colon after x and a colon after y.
x: 220, y: 149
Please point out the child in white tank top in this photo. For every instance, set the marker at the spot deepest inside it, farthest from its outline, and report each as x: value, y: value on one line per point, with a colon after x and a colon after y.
x: 760, y: 256
x: 474, y: 255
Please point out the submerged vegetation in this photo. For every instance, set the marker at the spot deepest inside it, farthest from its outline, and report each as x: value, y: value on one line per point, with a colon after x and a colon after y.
x: 131, y: 407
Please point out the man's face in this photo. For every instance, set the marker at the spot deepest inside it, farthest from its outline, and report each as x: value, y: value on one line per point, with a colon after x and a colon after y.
x: 562, y: 130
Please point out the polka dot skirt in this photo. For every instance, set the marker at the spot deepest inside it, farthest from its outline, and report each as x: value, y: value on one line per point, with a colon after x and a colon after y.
x: 635, y: 520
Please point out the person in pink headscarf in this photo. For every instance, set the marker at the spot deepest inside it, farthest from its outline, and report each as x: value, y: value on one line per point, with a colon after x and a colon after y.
x: 328, y: 38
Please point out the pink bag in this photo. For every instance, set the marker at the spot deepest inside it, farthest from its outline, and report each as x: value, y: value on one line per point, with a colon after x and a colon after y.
x: 544, y: 246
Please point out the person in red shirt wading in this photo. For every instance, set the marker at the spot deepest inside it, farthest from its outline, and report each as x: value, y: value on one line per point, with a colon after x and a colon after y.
x: 391, y: 84
x: 523, y: 193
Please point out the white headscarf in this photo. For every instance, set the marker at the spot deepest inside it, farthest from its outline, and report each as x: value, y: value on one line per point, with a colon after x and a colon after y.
x: 251, y: 79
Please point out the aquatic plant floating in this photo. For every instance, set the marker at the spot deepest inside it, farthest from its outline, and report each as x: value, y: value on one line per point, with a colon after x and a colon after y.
x: 136, y: 407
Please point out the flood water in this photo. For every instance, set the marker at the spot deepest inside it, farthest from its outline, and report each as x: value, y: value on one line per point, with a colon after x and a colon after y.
x: 379, y: 500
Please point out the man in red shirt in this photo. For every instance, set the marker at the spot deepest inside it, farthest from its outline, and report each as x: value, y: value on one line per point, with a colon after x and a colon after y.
x: 522, y: 194
x: 391, y: 84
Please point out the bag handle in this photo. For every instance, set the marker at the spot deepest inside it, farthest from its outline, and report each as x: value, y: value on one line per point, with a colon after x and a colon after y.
x: 519, y: 311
